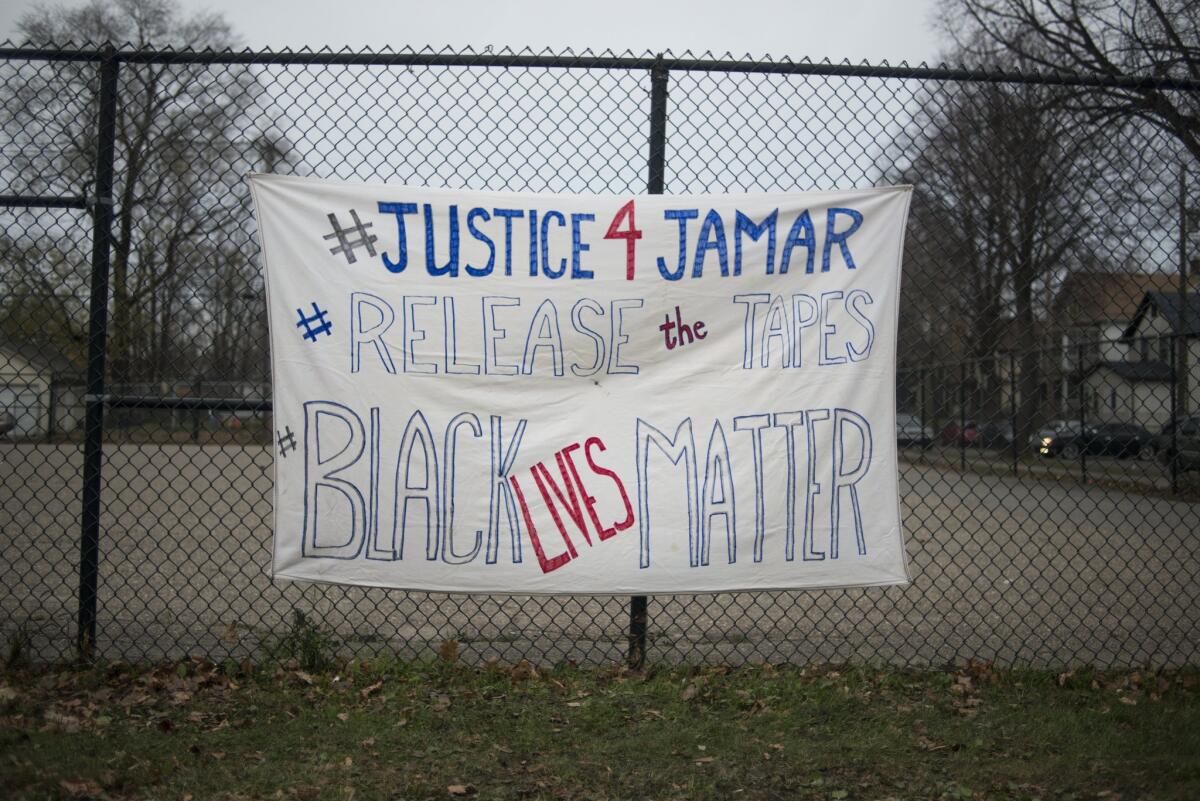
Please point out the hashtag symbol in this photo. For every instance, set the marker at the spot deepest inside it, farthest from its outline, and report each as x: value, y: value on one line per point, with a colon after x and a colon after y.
x: 355, y: 236
x: 286, y: 441
x: 316, y: 324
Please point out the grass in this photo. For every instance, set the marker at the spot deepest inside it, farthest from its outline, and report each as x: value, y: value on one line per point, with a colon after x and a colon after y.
x: 442, y: 730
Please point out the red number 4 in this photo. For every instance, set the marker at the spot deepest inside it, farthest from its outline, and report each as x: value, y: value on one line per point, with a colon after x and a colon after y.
x: 631, y: 234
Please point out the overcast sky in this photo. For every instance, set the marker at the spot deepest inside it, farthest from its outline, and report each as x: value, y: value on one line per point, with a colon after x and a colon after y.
x: 873, y: 30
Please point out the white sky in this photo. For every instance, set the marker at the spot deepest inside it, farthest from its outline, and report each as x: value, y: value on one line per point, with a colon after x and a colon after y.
x: 857, y: 30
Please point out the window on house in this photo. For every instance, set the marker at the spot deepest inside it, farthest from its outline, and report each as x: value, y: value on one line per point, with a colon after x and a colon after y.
x: 1164, y: 349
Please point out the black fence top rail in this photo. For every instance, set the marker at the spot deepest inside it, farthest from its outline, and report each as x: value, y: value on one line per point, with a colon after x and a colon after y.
x: 605, y: 61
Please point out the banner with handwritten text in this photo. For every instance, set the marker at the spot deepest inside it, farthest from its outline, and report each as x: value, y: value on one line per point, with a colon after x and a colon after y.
x: 538, y: 393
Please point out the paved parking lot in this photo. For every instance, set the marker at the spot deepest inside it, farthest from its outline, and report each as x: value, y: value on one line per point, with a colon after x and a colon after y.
x: 1021, y: 571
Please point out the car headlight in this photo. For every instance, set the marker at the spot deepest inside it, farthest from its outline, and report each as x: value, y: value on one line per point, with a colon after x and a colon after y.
x: 1046, y: 441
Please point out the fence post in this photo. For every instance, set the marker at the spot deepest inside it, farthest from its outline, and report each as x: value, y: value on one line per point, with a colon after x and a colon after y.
x: 1012, y: 409
x: 198, y: 415
x: 1082, y: 419
x: 51, y: 408
x: 962, y: 416
x: 93, y: 426
x: 1183, y: 381
x: 1174, y: 406
x: 923, y: 447
x: 655, y: 182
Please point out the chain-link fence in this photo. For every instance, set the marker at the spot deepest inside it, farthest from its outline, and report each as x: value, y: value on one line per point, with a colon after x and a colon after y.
x: 1049, y: 341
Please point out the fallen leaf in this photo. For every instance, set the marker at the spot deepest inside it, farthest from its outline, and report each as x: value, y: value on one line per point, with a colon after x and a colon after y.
x: 461, y: 789
x: 80, y: 789
x: 523, y: 670
x: 67, y: 723
x: 365, y: 692
x: 689, y: 692
x: 343, y: 716
x: 448, y: 652
x: 705, y: 760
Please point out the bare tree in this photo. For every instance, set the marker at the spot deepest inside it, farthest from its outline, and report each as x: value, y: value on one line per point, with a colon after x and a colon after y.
x: 185, y: 135
x: 1156, y: 39
x: 1005, y: 201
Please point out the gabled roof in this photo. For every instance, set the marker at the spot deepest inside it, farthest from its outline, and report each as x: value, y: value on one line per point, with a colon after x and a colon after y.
x: 1169, y: 308
x: 52, y: 362
x: 1096, y: 297
x: 1136, y: 371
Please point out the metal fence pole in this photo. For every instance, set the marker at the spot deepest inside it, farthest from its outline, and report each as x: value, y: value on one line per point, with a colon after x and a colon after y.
x: 924, y: 446
x: 1183, y: 381
x: 962, y: 416
x: 1083, y: 440
x: 1174, y: 405
x: 655, y: 182
x: 102, y: 215
x: 1012, y: 408
x: 51, y: 409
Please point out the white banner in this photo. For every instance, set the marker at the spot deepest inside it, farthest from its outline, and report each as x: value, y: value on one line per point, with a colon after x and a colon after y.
x: 538, y: 393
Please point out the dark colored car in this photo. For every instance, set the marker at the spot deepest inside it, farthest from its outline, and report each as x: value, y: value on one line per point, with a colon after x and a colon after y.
x: 955, y: 434
x: 911, y: 431
x: 1179, y: 442
x: 997, y: 434
x: 1123, y: 440
x: 1051, y: 428
x: 7, y: 422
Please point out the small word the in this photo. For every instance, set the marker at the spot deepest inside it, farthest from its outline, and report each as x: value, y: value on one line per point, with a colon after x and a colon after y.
x: 691, y: 331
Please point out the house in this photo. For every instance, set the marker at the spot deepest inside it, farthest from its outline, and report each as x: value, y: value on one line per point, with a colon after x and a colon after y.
x: 1161, y: 322
x: 1128, y: 392
x: 1093, y: 310
x: 43, y: 391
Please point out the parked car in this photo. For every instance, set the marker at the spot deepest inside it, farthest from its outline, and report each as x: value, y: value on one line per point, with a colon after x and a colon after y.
x: 910, y: 431
x: 1122, y: 440
x: 1179, y: 441
x: 996, y: 434
x: 7, y: 421
x: 954, y: 433
x: 1051, y: 428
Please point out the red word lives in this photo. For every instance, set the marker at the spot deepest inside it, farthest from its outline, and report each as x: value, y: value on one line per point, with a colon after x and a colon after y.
x: 572, y: 497
x: 674, y: 331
